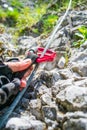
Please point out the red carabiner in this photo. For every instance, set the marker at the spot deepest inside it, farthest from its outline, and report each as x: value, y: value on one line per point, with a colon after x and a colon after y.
x: 49, y: 55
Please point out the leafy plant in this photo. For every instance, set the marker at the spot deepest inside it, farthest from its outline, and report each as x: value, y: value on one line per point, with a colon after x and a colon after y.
x: 81, y: 36
x: 83, y: 31
x: 17, y: 4
x: 49, y: 22
x: 2, y: 15
x: 28, y: 18
x: 11, y: 18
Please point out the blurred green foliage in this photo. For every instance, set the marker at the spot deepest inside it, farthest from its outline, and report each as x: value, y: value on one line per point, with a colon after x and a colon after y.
x: 38, y: 20
x: 49, y: 22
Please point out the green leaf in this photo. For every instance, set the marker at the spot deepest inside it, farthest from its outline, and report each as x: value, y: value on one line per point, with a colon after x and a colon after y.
x: 83, y: 31
x: 79, y: 35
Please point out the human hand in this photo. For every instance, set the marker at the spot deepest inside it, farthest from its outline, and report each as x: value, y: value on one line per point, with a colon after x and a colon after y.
x: 20, y: 66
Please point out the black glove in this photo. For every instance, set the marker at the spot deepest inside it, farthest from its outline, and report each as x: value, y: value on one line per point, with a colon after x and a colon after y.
x: 9, y: 81
x: 5, y: 71
x: 31, y: 55
x: 8, y: 84
x: 9, y: 89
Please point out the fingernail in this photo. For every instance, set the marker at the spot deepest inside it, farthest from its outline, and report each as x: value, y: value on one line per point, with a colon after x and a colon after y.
x: 23, y: 83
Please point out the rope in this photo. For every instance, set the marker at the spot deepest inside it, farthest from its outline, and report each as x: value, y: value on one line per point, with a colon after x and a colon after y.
x: 59, y: 22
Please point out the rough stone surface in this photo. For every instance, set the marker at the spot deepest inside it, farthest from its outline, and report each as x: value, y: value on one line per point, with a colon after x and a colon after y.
x: 49, y: 112
x: 61, y: 63
x: 22, y: 124
x: 75, y: 120
x: 73, y: 98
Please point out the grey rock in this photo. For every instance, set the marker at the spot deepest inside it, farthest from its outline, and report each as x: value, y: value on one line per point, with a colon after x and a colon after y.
x: 51, y: 128
x: 65, y: 40
x: 46, y: 99
x: 60, y: 54
x: 60, y: 117
x: 25, y: 103
x: 52, y: 125
x: 80, y: 68
x: 14, y: 114
x: 66, y: 73
x: 25, y: 43
x: 73, y: 98
x: 18, y: 123
x: 50, y: 65
x: 78, y: 18
x: 70, y: 120
x: 61, y: 85
x: 84, y: 45
x: 29, y: 3
x: 79, y: 57
x: 22, y: 124
x: 49, y: 112
x: 43, y: 90
x: 61, y: 49
x: 47, y: 77
x: 81, y: 82
x: 75, y: 124
x: 38, y: 125
x: 28, y: 117
x: 56, y: 76
x: 3, y: 1
x: 61, y: 63
x: 35, y: 104
x: 74, y: 115
x: 35, y: 108
x: 56, y: 43
x: 78, y: 62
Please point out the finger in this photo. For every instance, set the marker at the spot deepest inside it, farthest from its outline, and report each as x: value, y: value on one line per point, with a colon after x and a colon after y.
x: 27, y: 73
x: 31, y: 68
x: 23, y: 83
x: 19, y: 66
